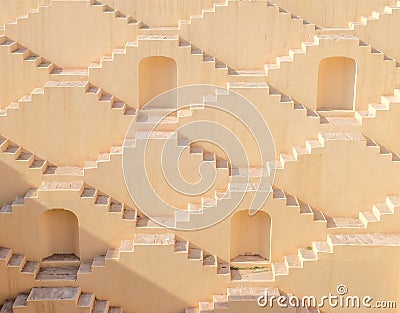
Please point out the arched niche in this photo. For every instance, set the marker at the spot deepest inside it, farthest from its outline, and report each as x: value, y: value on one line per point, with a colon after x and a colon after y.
x: 336, y: 84
x: 157, y: 74
x: 250, y: 237
x: 59, y: 233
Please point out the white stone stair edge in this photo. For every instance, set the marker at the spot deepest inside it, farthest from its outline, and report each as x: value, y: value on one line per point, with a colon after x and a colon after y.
x: 36, y: 10
x: 79, y: 187
x: 323, y: 138
x: 81, y: 299
x: 186, y: 45
x: 117, y: 13
x: 309, y: 45
x: 226, y: 3
x: 385, y: 105
x: 145, y: 239
x: 374, y: 16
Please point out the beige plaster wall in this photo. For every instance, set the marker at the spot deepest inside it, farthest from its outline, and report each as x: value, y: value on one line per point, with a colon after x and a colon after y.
x: 26, y: 74
x: 380, y: 33
x: 160, y: 13
x: 342, y: 178
x: 230, y: 42
x: 50, y: 116
x: 72, y: 33
x: 333, y: 13
x: 372, y: 70
x: 10, y: 9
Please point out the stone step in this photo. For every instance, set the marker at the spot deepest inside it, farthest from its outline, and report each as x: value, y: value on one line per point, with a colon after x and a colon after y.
x: 61, y: 260
x: 246, y: 293
x: 280, y: 269
x: 69, y: 74
x: 5, y: 254
x: 206, y: 307
x: 57, y: 274
x: 86, y: 300
x: 99, y: 261
x: 307, y: 255
x: 17, y: 261
x: 7, y: 307
x: 21, y: 300
x: 195, y: 254
x: 293, y: 261
x: 56, y: 186
x: 31, y: 267
x: 344, y: 223
x: 100, y: 306
x: 220, y: 301
x: 54, y: 294
x: 321, y: 247
x: 154, y: 239
x: 364, y: 239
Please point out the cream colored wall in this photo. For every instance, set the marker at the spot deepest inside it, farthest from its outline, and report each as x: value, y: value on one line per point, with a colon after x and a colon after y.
x: 192, y: 70
x: 342, y: 178
x: 94, y: 238
x: 50, y: 117
x: 156, y: 76
x: 333, y: 13
x: 250, y: 235
x: 355, y: 174
x: 384, y: 127
x: 113, y: 74
x: 161, y: 280
x: 227, y: 41
x: 160, y: 13
x: 380, y: 33
x: 10, y: 9
x: 27, y: 74
x: 336, y: 84
x: 58, y: 232
x: 12, y: 189
x: 72, y: 33
x: 288, y: 131
x: 330, y: 267
x: 372, y: 70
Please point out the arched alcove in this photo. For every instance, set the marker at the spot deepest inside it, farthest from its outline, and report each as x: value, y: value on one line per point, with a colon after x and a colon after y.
x: 157, y: 74
x: 336, y: 84
x: 59, y: 233
x: 250, y: 237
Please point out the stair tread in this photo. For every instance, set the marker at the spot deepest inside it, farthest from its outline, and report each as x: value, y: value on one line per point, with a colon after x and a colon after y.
x: 16, y: 260
x: 338, y: 222
x: 60, y: 186
x: 4, y: 252
x: 54, y: 293
x: 86, y: 300
x: 280, y: 268
x: 250, y: 293
x: 100, y: 306
x: 7, y: 307
x: 30, y: 267
x: 57, y: 273
x: 154, y: 239
x: 366, y: 239
x: 293, y: 260
x: 21, y: 299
